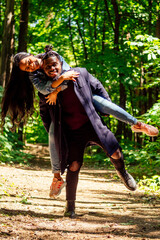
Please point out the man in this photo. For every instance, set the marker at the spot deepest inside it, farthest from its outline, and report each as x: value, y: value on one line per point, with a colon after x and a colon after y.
x: 76, y: 125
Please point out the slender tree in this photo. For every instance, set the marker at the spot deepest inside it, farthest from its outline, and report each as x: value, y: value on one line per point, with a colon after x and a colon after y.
x: 71, y: 35
x: 7, y: 43
x: 22, y: 40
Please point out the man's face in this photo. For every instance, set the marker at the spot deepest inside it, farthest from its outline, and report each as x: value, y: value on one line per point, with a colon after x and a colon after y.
x: 30, y: 64
x: 52, y: 67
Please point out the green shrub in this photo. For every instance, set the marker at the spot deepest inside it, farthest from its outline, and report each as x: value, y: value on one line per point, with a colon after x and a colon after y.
x: 152, y: 183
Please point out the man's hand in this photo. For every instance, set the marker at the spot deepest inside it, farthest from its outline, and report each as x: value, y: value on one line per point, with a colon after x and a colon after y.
x: 51, y: 98
x: 70, y: 75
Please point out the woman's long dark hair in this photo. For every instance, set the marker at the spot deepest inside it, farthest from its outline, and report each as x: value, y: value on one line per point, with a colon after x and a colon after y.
x: 18, y: 97
x: 19, y: 93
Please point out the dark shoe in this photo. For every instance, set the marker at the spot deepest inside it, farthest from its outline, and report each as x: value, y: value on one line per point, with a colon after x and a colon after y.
x: 70, y: 209
x: 127, y: 179
x: 70, y: 214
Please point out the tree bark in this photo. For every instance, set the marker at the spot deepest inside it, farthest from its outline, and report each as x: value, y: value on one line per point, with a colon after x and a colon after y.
x: 116, y: 26
x: 158, y: 27
x: 104, y: 30
x: 81, y: 34
x: 22, y: 46
x: 83, y: 41
x: 7, y: 43
x: 71, y: 36
x: 158, y: 22
x: 150, y: 16
x: 22, y: 39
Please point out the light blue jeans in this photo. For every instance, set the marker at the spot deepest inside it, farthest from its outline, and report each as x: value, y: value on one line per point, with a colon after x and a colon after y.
x: 102, y: 105
x: 106, y: 107
x: 55, y: 164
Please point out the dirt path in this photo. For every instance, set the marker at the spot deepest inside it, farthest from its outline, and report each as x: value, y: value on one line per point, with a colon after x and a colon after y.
x: 106, y: 209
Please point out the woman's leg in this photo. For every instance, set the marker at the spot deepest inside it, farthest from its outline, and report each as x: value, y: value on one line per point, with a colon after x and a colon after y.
x: 57, y: 183
x: 106, y: 107
x: 55, y: 164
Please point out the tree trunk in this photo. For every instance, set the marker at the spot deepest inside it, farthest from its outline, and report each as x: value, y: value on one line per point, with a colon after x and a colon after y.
x: 149, y: 91
x: 95, y: 26
x: 104, y: 30
x: 81, y: 34
x: 22, y: 46
x: 158, y: 22
x: 2, y: 14
x: 7, y: 43
x: 120, y: 126
x: 22, y: 39
x: 158, y: 27
x: 83, y: 40
x: 71, y: 36
x: 150, y: 17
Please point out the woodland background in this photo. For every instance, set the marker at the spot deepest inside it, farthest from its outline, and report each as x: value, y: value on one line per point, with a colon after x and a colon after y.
x: 118, y: 41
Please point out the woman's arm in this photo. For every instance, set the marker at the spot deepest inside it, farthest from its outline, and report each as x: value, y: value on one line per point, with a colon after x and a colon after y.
x: 69, y: 75
x: 45, y: 87
x: 40, y: 82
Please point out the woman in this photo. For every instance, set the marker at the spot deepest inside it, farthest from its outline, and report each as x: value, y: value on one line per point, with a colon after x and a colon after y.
x: 19, y: 95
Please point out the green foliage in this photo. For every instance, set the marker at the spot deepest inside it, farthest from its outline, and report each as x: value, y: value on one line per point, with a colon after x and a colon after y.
x: 95, y: 157
x: 34, y: 130
x: 152, y: 115
x: 9, y: 153
x: 152, y: 183
x: 145, y: 51
x: 25, y: 201
x: 146, y: 157
x: 10, y: 147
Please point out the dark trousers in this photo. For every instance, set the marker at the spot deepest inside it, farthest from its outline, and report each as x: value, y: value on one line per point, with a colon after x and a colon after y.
x: 77, y: 141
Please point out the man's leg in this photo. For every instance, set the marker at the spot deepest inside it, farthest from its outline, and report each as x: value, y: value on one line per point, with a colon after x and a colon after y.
x: 71, y: 188
x: 116, y: 157
x: 118, y: 162
x: 76, y: 140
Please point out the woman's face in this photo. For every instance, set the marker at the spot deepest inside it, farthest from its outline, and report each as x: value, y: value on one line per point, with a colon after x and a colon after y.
x: 52, y: 67
x: 30, y: 64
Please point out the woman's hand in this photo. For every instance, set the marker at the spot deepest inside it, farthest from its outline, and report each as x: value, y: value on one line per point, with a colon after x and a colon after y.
x: 70, y: 75
x: 52, y: 97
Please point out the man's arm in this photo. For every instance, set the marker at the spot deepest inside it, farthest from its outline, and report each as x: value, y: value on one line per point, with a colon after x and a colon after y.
x: 52, y: 97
